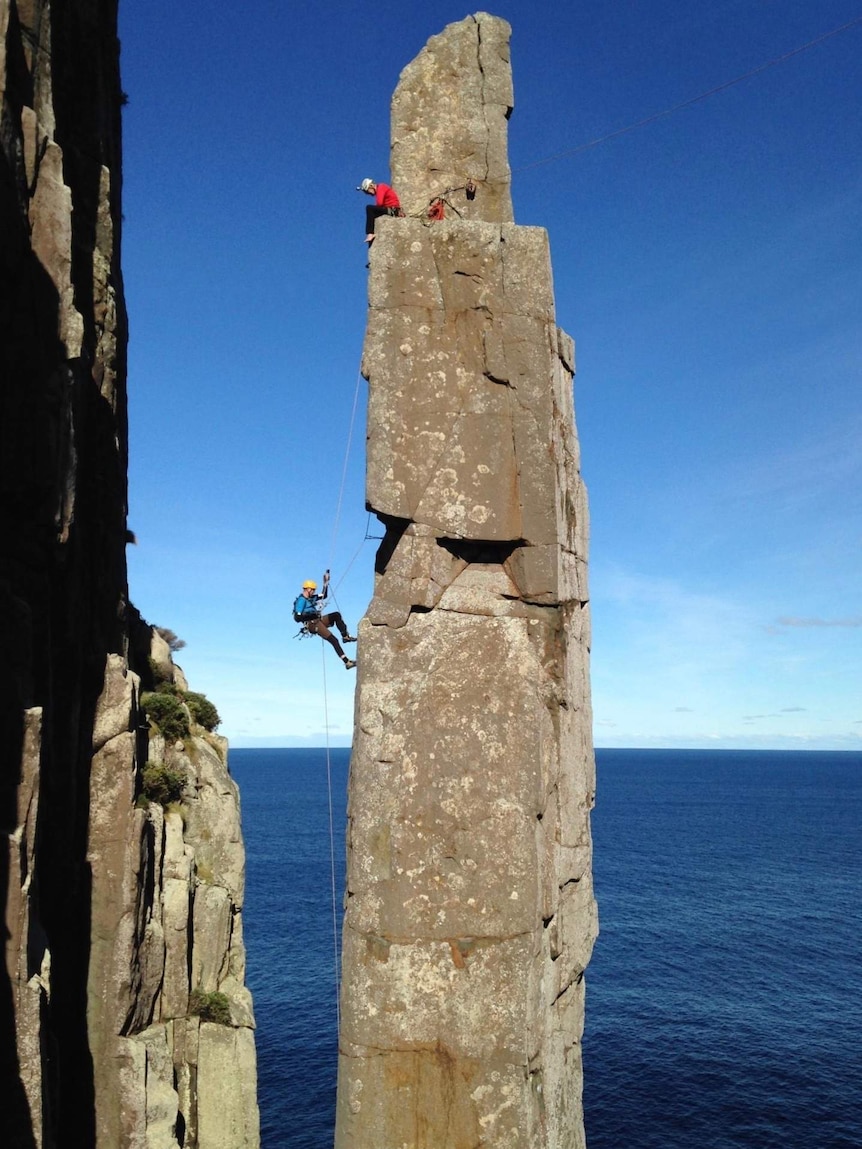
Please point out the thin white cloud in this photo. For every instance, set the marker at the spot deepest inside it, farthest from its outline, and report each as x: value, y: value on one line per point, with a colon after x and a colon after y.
x: 804, y: 471
x: 668, y: 625
x: 671, y: 740
x: 850, y: 623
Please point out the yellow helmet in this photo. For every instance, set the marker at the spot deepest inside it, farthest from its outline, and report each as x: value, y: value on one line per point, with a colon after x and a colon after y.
x: 309, y: 584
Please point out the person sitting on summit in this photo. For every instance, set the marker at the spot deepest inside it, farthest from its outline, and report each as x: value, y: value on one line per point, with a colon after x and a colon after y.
x: 306, y: 610
x: 386, y: 202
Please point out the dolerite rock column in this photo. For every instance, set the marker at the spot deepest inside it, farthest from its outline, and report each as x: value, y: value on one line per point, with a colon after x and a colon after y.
x: 470, y: 915
x: 122, y: 922
x: 450, y: 119
x: 63, y: 594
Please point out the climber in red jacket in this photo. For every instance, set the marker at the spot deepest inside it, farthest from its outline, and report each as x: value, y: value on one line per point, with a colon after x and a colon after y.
x: 386, y: 202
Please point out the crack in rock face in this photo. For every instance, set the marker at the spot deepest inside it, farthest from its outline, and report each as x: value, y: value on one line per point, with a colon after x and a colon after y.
x: 470, y: 915
x: 123, y: 876
x: 450, y: 116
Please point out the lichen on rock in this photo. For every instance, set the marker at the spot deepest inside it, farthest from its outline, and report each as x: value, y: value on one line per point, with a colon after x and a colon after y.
x: 470, y: 914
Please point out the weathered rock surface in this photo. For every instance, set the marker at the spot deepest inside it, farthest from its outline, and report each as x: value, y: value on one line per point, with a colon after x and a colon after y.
x: 449, y: 122
x: 99, y: 890
x: 470, y: 915
x: 167, y: 945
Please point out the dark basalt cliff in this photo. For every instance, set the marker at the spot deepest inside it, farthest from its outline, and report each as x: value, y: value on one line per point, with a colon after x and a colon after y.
x: 115, y: 910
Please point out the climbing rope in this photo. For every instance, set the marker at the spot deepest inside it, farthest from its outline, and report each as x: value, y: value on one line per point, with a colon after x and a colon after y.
x: 336, y: 963
x: 433, y: 213
x: 688, y: 103
x: 344, y: 469
x: 434, y: 209
x: 323, y: 645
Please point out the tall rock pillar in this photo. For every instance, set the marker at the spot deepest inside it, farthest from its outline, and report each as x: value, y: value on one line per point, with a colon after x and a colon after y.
x: 470, y: 915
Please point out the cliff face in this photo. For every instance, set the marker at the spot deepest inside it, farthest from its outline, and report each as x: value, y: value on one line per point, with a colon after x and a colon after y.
x: 169, y: 1020
x: 114, y: 907
x: 470, y: 915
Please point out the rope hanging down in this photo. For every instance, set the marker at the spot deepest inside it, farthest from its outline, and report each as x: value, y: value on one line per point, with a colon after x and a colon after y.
x: 435, y: 209
x: 344, y: 471
x: 688, y: 103
x: 331, y: 849
x: 332, y: 876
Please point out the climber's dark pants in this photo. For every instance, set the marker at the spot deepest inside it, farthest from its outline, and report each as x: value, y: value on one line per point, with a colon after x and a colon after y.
x: 373, y: 213
x: 321, y: 626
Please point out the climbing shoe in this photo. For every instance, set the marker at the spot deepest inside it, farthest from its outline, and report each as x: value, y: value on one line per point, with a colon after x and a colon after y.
x: 349, y: 663
x: 350, y: 638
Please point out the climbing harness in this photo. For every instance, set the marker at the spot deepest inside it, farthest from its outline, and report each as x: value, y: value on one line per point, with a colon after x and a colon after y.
x: 330, y: 590
x: 303, y: 631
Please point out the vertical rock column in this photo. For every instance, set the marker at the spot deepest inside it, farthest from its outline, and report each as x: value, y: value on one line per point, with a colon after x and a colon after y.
x: 63, y: 591
x: 124, y: 1018
x: 470, y: 915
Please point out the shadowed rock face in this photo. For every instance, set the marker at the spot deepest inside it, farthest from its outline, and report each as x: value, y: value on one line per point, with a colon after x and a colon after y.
x: 112, y: 912
x: 470, y: 916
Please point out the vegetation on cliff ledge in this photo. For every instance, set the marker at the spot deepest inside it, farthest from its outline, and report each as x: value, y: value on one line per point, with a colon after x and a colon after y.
x: 203, y: 711
x: 167, y: 713
x: 170, y: 708
x: 162, y: 783
x: 210, y: 1006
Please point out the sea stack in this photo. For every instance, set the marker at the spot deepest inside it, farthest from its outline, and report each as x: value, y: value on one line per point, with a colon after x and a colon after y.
x: 469, y: 912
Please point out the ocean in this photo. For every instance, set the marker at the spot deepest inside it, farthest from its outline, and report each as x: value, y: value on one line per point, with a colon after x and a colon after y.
x: 724, y: 997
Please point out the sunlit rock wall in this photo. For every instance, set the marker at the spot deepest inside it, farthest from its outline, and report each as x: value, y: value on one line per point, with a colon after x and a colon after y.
x: 470, y: 915
x: 450, y: 117
x: 114, y: 909
x: 170, y: 1021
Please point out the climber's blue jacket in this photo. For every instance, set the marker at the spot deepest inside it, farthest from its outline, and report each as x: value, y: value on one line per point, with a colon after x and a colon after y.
x: 305, y: 609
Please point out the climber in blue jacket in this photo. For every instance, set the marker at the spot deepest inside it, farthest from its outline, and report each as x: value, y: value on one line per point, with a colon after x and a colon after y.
x: 307, y: 610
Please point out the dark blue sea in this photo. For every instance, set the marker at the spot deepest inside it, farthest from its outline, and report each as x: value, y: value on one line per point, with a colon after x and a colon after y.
x: 724, y: 999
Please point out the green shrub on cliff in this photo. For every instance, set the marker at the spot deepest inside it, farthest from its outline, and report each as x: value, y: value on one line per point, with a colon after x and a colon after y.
x: 210, y: 1006
x: 201, y: 709
x: 164, y: 705
x: 166, y: 713
x: 163, y: 686
x: 162, y: 783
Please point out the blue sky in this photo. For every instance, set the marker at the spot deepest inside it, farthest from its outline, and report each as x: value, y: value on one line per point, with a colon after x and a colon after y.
x: 708, y: 265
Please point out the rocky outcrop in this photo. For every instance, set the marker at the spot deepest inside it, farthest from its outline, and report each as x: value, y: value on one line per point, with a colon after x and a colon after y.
x: 122, y: 919
x: 470, y: 915
x: 170, y: 1020
x: 450, y: 117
